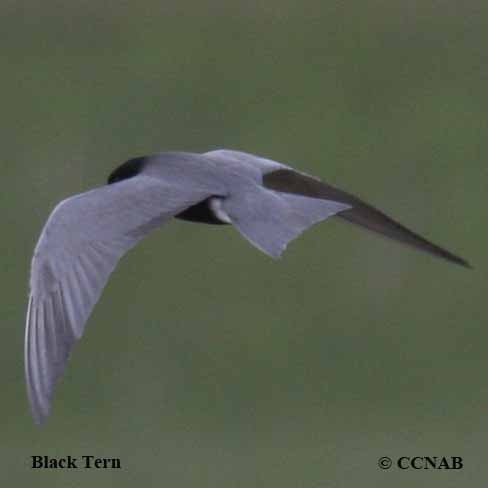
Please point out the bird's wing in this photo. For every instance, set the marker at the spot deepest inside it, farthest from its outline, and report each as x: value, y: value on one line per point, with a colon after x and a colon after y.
x: 270, y: 220
x: 78, y: 248
x: 358, y: 212
x: 244, y: 159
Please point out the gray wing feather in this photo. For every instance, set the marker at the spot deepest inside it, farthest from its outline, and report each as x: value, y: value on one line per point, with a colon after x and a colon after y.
x: 253, y: 162
x: 79, y: 247
x: 270, y: 220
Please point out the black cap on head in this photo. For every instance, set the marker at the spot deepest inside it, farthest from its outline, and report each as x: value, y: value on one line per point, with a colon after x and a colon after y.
x: 130, y: 168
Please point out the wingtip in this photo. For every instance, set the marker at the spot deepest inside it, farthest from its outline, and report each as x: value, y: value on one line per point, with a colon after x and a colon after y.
x: 462, y: 262
x: 39, y: 418
x: 449, y: 256
x: 39, y: 412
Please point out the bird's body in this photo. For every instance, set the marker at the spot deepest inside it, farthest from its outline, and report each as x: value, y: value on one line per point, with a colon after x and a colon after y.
x: 269, y: 203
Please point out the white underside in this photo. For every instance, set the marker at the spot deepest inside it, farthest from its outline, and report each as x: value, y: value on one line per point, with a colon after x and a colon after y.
x: 218, y: 210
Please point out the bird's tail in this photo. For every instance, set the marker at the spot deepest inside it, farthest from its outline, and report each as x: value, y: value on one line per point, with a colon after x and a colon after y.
x: 269, y: 219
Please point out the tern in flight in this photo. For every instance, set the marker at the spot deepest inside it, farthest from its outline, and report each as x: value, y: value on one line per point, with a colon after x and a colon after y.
x: 269, y: 203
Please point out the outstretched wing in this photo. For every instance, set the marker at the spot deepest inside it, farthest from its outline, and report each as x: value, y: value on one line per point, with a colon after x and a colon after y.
x: 359, y: 212
x: 79, y: 247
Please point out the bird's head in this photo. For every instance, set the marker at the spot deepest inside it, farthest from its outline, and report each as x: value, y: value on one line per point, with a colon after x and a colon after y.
x: 130, y: 168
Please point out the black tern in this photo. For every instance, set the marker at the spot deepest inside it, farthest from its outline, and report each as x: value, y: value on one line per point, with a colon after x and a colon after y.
x: 269, y: 203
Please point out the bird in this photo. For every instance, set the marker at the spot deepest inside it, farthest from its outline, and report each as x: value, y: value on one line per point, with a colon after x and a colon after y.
x: 269, y: 203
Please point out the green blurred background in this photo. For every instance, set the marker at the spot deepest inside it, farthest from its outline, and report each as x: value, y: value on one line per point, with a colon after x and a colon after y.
x: 207, y: 363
